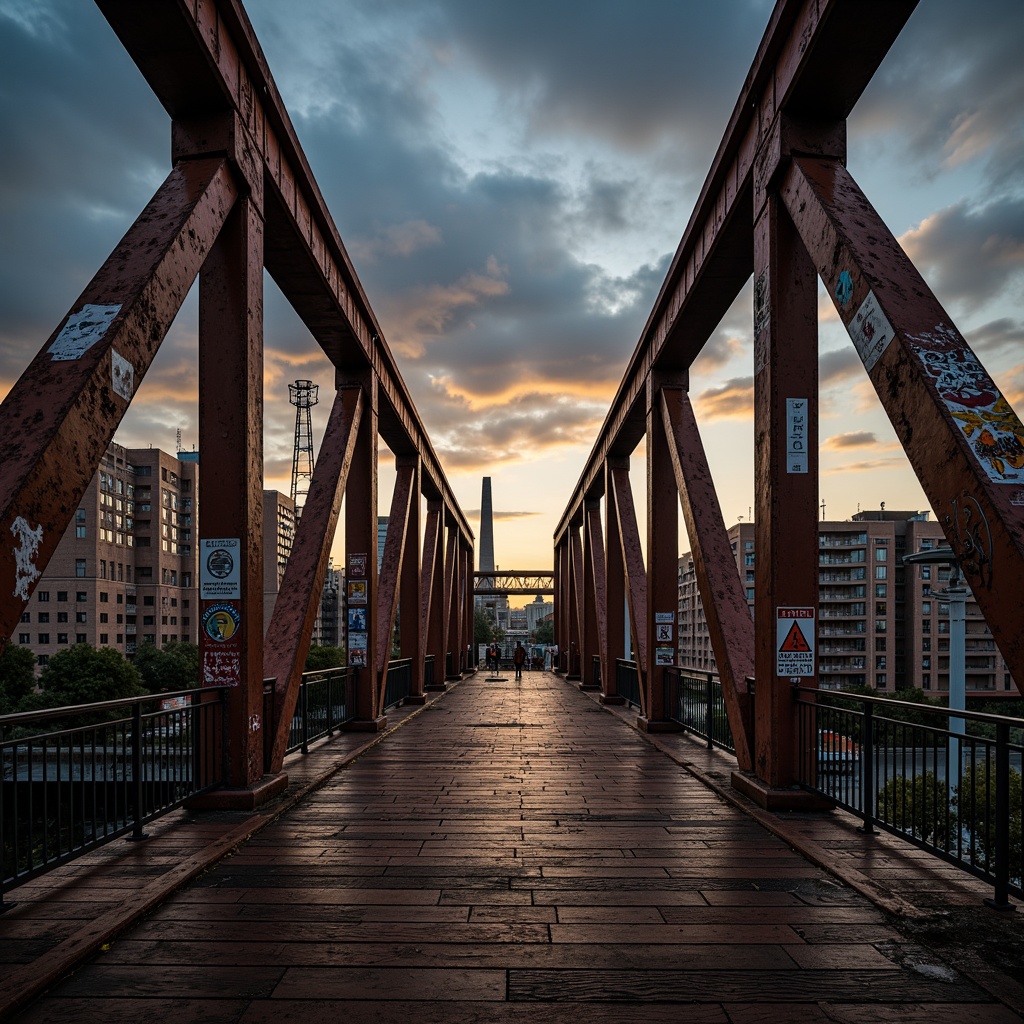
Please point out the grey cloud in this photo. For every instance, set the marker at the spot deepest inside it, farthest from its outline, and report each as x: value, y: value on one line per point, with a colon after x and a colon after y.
x: 838, y: 364
x: 853, y: 439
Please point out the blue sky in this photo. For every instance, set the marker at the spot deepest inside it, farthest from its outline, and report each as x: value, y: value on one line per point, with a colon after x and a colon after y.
x: 511, y: 179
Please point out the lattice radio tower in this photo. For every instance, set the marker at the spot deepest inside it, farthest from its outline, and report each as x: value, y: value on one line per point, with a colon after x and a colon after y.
x: 303, y: 395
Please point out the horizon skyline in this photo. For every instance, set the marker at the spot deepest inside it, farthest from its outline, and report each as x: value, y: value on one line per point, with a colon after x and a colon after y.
x: 511, y: 190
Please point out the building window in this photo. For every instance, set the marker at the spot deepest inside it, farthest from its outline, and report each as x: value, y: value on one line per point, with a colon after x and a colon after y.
x: 79, y: 567
x: 880, y: 590
x: 926, y: 681
x: 149, y: 600
x: 81, y: 617
x: 24, y: 638
x: 44, y: 616
x: 881, y: 554
x: 880, y: 661
x: 880, y: 572
x: 880, y: 643
x: 104, y: 617
x: 103, y: 638
x: 926, y: 644
x: 926, y: 572
x: 926, y: 625
x: 81, y: 596
x: 26, y: 616
x: 43, y: 660
x: 42, y: 595
x: 81, y: 638
x: 880, y: 682
x: 104, y: 597
x: 62, y: 595
x: 926, y: 661
x: 44, y: 638
x: 62, y: 638
x: 880, y: 607
x: 62, y: 616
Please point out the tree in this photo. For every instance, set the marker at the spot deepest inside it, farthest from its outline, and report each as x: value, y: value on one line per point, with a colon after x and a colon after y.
x: 320, y: 658
x: 17, y: 677
x: 483, y: 627
x: 174, y: 667
x: 918, y: 805
x: 545, y: 632
x: 84, y: 675
x: 975, y: 801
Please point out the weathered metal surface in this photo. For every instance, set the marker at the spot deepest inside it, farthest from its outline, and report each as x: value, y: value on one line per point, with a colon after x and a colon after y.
x: 60, y: 416
x: 815, y: 60
x: 361, y: 547
x: 590, y: 632
x: 964, y: 441
x: 635, y: 574
x: 730, y: 627
x: 391, y: 568
x: 451, y: 576
x: 209, y: 60
x: 409, y: 592
x: 615, y: 586
x: 598, y: 574
x: 431, y: 589
x: 298, y: 601
x: 576, y: 609
x: 231, y: 440
x: 785, y: 476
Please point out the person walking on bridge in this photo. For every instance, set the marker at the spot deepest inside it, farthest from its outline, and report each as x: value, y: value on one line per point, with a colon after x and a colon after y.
x: 518, y: 658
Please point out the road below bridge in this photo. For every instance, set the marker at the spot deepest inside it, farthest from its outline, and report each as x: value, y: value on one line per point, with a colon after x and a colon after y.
x: 515, y: 852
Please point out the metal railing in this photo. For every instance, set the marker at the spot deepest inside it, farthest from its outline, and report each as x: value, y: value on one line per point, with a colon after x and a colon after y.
x: 947, y: 781
x: 428, y: 671
x: 323, y: 705
x: 627, y: 681
x: 398, y: 684
x: 696, y: 702
x: 74, y: 778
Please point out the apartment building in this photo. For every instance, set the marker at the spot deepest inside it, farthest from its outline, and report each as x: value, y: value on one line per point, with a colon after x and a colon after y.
x: 124, y: 572
x: 279, y: 523
x: 880, y: 623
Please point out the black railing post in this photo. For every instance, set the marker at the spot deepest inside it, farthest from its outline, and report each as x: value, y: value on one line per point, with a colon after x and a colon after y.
x: 709, y: 697
x: 1001, y: 901
x: 137, y: 794
x: 304, y: 708
x: 867, y: 768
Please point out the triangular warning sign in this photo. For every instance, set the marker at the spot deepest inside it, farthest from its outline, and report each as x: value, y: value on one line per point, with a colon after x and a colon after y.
x: 795, y: 640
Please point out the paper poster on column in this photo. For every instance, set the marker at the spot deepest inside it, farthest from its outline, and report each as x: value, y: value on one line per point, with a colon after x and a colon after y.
x: 794, y: 642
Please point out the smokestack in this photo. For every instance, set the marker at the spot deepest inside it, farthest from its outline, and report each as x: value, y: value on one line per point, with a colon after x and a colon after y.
x: 486, y: 529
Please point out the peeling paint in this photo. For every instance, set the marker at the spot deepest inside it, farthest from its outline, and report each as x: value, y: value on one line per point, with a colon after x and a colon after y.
x: 122, y: 376
x: 26, y: 572
x: 870, y: 331
x: 82, y: 330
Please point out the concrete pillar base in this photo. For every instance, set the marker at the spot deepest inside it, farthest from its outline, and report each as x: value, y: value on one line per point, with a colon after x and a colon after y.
x: 613, y: 699
x: 590, y: 686
x: 415, y: 698
x: 367, y: 724
x: 247, y: 798
x: 789, y: 798
x: 436, y: 687
x: 646, y: 725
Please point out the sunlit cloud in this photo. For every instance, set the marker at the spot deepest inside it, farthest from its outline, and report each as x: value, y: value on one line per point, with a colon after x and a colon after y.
x: 396, y: 240
x: 733, y: 400
x: 852, y: 439
x: 868, y: 466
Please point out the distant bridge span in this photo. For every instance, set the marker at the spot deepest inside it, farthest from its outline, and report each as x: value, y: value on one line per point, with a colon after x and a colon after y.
x: 518, y: 581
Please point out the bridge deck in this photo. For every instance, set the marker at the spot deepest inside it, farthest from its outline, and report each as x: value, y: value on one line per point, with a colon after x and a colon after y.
x: 510, y: 850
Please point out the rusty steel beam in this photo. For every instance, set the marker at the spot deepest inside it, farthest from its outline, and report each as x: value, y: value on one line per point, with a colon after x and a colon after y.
x: 599, y: 576
x: 576, y: 609
x: 391, y: 567
x: 963, y: 440
x: 432, y: 610
x: 298, y: 601
x: 730, y: 626
x: 633, y: 564
x: 62, y: 413
x: 409, y: 593
x: 815, y: 59
x: 209, y: 61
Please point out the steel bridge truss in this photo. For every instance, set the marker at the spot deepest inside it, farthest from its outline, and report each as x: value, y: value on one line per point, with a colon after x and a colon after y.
x: 520, y: 581
x: 780, y: 205
x: 240, y: 197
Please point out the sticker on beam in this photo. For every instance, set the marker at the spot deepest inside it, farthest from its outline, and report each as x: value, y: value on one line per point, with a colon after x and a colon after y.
x: 975, y: 402
x: 797, y: 460
x: 870, y: 331
x: 122, y: 376
x: 29, y: 540
x: 82, y: 330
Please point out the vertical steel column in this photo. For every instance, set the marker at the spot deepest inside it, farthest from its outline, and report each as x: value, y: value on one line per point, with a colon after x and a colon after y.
x: 470, y: 606
x: 573, y: 668
x: 410, y: 614
x: 231, y: 440
x: 361, y: 554
x: 593, y: 594
x: 786, y: 470
x: 614, y: 589
x: 432, y: 613
x: 451, y: 577
x: 636, y: 574
x: 391, y: 570
x: 561, y: 600
x: 662, y: 559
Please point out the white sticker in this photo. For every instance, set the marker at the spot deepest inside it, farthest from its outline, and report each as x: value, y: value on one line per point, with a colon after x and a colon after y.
x: 26, y: 572
x: 796, y: 435
x: 82, y: 330
x: 871, y: 331
x: 122, y: 376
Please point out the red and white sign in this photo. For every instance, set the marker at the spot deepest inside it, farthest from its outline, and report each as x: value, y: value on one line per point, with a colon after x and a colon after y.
x: 794, y: 642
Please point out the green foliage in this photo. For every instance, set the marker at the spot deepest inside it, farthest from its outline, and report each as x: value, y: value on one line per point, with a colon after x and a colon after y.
x: 84, y: 675
x: 918, y: 805
x: 544, y: 633
x: 174, y: 667
x: 977, y: 814
x: 320, y: 658
x: 484, y: 630
x: 17, y: 677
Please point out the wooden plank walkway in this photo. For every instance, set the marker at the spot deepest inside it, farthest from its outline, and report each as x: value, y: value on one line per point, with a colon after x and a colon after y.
x: 514, y: 852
